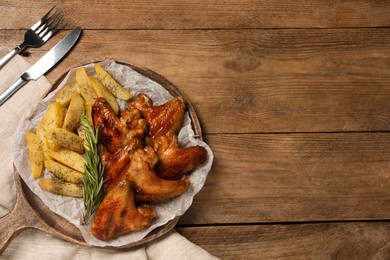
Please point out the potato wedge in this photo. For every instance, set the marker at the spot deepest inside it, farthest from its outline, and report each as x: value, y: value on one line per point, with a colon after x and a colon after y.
x: 101, y: 91
x: 53, y: 118
x: 80, y: 132
x: 68, y: 158
x: 45, y: 149
x: 54, y: 115
x: 110, y: 83
x: 73, y: 114
x: 36, y: 154
x: 59, y: 137
x: 60, y: 187
x: 41, y: 130
x: 65, y: 94
x: 86, y: 91
x: 63, y: 172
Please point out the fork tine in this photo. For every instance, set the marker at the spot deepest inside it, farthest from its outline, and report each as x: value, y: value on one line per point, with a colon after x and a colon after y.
x: 42, y: 33
x: 50, y: 31
x: 47, y: 21
x: 55, y: 29
x: 44, y: 18
x: 47, y: 36
x: 51, y: 26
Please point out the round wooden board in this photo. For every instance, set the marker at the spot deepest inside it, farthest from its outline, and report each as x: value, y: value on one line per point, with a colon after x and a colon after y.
x: 30, y: 212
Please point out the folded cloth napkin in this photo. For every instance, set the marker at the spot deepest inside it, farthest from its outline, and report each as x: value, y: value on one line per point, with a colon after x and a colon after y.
x: 34, y: 244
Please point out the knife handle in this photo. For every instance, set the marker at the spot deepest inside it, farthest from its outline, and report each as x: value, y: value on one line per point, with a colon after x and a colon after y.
x: 11, y: 90
x: 9, y: 56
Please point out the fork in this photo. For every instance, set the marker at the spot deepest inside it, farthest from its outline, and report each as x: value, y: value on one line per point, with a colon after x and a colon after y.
x: 38, y: 34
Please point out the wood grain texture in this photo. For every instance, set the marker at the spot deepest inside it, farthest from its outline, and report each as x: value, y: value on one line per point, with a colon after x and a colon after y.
x: 292, y: 97
x: 203, y: 14
x: 267, y: 80
x: 295, y: 177
x: 352, y: 240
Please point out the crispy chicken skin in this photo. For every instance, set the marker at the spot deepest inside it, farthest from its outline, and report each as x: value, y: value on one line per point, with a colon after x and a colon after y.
x: 117, y: 146
x: 118, y: 215
x: 161, y: 119
x: 164, y: 123
x: 114, y: 164
x: 175, y: 162
x: 111, y: 130
x: 148, y: 186
x: 116, y: 133
x: 133, y: 147
x: 136, y: 125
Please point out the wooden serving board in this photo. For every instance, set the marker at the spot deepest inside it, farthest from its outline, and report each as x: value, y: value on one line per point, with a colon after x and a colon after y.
x: 30, y: 212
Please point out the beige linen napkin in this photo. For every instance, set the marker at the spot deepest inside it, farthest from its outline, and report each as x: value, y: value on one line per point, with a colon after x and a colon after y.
x: 35, y: 244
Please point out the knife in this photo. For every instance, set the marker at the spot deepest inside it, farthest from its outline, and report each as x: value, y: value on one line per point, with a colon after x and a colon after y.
x: 43, y: 64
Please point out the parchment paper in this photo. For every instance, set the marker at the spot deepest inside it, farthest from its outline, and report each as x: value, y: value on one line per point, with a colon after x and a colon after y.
x: 72, y: 208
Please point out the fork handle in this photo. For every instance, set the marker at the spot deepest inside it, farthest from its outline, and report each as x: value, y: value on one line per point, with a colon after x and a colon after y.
x: 9, y: 56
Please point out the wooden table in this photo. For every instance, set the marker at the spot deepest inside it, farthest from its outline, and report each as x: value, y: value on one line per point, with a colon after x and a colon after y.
x: 293, y: 98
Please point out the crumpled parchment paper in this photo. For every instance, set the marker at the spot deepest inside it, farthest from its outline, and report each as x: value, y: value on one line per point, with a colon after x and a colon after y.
x: 72, y: 208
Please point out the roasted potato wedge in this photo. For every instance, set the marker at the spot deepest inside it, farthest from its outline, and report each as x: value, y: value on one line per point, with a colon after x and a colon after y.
x: 85, y: 89
x: 65, y: 94
x: 101, y: 91
x: 61, y: 187
x: 80, y: 132
x: 110, y: 83
x: 68, y: 158
x: 73, y: 114
x: 63, y: 172
x: 36, y: 154
x: 54, y: 115
x: 45, y: 149
x: 53, y: 118
x: 60, y: 138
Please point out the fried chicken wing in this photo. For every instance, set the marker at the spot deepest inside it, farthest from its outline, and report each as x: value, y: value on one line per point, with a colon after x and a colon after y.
x: 148, y: 186
x: 114, y: 164
x: 175, y: 162
x: 118, y: 215
x: 134, y: 146
x: 116, y: 133
x: 164, y: 122
x: 136, y: 125
x: 111, y: 130
x: 116, y: 149
x: 161, y: 119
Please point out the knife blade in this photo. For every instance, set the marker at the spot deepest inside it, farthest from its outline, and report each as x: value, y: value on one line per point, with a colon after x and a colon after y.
x: 45, y: 63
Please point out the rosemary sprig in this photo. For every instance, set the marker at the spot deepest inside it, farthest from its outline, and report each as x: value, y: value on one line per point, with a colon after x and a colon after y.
x: 93, y: 170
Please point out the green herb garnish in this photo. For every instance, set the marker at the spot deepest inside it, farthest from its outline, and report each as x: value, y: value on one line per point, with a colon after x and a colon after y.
x: 93, y: 170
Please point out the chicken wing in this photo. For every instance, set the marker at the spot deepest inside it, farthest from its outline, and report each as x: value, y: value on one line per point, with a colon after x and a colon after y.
x: 118, y: 215
x: 114, y: 164
x: 136, y: 125
x: 116, y: 133
x: 120, y: 137
x: 111, y: 130
x: 175, y: 162
x: 148, y: 186
x: 161, y: 119
x: 164, y: 122
x: 133, y: 146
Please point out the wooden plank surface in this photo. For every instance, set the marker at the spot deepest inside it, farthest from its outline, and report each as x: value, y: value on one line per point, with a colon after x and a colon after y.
x: 293, y: 100
x: 204, y: 14
x: 283, y: 80
x: 354, y: 240
x: 295, y: 177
